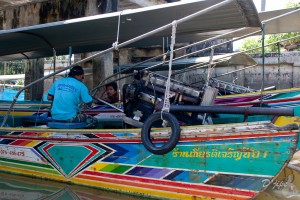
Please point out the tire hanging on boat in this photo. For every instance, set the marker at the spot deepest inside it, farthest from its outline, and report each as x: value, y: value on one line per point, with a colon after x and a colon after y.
x: 174, y: 138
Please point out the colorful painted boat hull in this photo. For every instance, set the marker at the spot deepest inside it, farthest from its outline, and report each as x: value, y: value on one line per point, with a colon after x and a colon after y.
x: 30, y: 114
x: 273, y: 98
x: 224, y: 161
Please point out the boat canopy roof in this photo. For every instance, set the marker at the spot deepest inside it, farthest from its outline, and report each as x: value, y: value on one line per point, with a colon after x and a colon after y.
x: 96, y: 33
x: 281, y: 21
x: 276, y: 21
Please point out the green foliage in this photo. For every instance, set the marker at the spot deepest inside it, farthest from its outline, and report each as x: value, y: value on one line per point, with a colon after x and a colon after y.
x: 63, y: 57
x: 292, y: 4
x: 254, y: 42
x: 252, y: 45
x: 12, y: 67
x: 285, y: 45
x: 20, y: 82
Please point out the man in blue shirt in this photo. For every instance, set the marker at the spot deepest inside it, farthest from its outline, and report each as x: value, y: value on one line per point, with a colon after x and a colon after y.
x: 67, y: 94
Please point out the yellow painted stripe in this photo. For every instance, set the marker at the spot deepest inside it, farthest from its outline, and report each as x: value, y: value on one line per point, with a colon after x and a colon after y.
x: 32, y: 173
x: 282, y: 120
x: 46, y: 134
x: 26, y: 104
x: 135, y: 190
x: 97, y: 166
x: 35, y: 142
x: 32, y: 143
x: 17, y: 113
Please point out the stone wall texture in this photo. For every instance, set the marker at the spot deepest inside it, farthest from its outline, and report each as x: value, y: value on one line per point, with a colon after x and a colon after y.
x: 54, y: 10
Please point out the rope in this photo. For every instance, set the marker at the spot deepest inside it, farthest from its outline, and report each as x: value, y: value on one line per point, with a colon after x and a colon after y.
x: 166, y: 105
x: 115, y: 44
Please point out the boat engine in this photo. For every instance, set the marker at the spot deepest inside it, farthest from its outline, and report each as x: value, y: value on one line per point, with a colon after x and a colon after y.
x: 145, y: 96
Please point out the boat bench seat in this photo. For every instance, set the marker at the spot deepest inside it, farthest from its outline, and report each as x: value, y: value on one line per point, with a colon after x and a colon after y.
x: 65, y: 125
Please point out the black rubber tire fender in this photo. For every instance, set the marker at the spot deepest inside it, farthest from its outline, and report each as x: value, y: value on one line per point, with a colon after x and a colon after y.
x: 174, y: 138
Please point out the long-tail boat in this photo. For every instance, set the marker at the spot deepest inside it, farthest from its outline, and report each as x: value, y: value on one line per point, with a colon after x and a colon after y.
x: 221, y: 161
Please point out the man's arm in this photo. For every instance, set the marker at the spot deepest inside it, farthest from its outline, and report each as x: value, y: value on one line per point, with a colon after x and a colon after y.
x: 50, y: 97
x: 90, y: 104
x: 51, y: 92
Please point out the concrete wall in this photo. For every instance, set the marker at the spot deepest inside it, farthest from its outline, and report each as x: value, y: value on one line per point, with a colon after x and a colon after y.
x: 282, y: 71
x: 51, y: 11
x: 283, y: 75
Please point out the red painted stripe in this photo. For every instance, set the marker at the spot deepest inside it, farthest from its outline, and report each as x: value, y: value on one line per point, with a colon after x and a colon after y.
x: 45, y: 149
x: 93, y: 152
x: 29, y: 133
x: 25, y: 142
x: 170, y: 183
x: 34, y: 111
x: 19, y: 142
x: 101, y: 111
x: 171, y: 186
x: 104, y: 135
x: 249, y: 103
x: 36, y: 134
x: 288, y: 133
x: 93, y: 140
x: 27, y: 110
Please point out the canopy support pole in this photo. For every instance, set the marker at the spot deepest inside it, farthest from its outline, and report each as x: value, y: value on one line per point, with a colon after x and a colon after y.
x: 263, y: 63
x: 54, y: 62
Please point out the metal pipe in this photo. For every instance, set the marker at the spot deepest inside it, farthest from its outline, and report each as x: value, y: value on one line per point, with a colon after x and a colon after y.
x: 263, y: 5
x: 263, y: 61
x: 70, y: 55
x: 233, y: 110
x: 54, y: 62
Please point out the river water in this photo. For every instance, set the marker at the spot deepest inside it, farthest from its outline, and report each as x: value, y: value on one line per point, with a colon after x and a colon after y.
x: 8, y: 95
x: 13, y: 187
